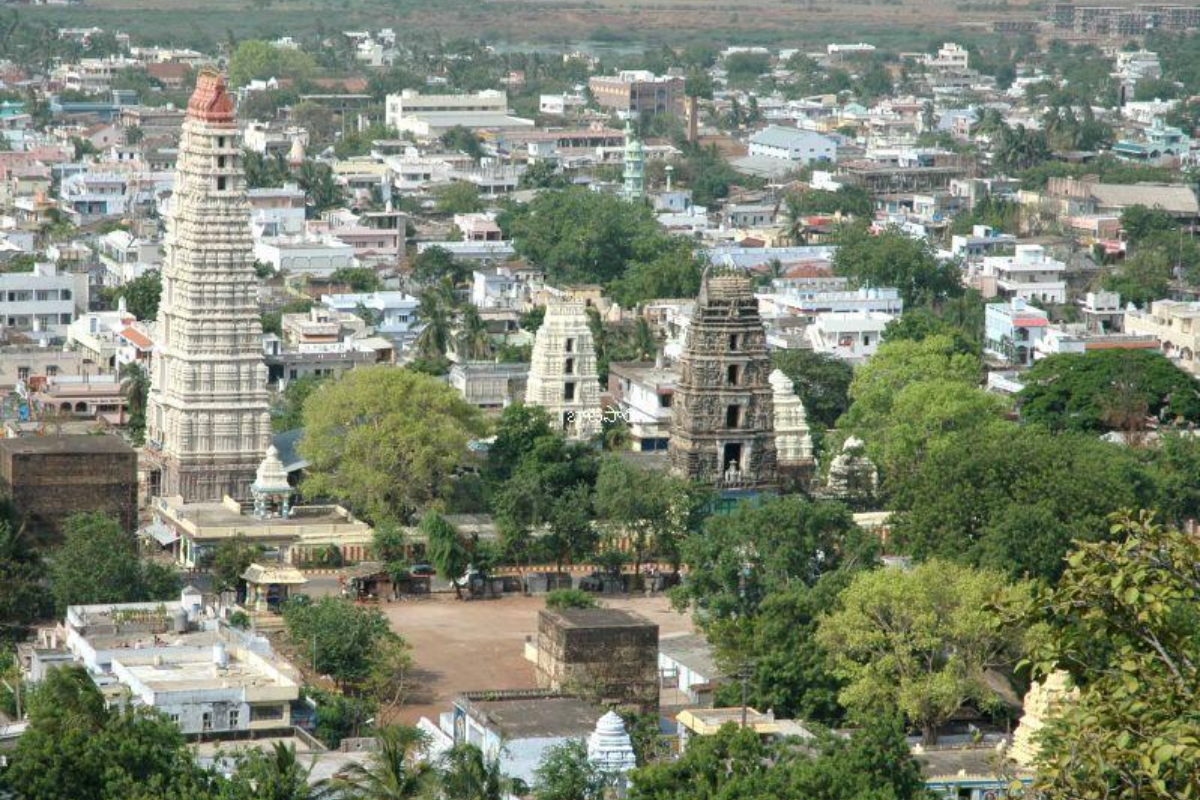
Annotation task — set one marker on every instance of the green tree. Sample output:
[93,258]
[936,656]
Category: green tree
[274,774]
[674,272]
[741,558]
[258,60]
[921,641]
[434,264]
[891,258]
[230,559]
[447,551]
[23,601]
[466,774]
[1014,498]
[1108,390]
[135,389]
[561,599]
[465,141]
[395,770]
[566,773]
[288,415]
[141,295]
[821,381]
[359,279]
[1144,276]
[1139,222]
[518,430]
[385,440]
[458,197]
[1123,621]
[321,189]
[97,563]
[336,636]
[474,341]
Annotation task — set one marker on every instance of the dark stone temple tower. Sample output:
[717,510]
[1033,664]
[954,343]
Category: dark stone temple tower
[722,431]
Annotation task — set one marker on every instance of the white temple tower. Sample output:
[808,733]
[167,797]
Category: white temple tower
[793,441]
[562,372]
[610,749]
[207,419]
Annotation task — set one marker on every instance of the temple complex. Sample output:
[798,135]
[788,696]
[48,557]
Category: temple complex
[793,441]
[207,418]
[562,372]
[722,427]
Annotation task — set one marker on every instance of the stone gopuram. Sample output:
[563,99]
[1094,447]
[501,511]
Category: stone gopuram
[207,418]
[562,371]
[722,426]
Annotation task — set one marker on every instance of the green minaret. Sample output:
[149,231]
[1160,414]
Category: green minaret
[635,164]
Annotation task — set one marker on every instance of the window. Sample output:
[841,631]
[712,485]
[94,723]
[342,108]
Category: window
[569,367]
[734,341]
[570,347]
[221,182]
[234,718]
[206,721]
[733,416]
[174,718]
[22,373]
[259,713]
[665,400]
[569,391]
[733,374]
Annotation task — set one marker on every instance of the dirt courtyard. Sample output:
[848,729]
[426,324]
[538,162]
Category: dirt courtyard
[459,646]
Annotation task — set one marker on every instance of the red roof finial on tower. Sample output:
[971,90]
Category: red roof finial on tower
[210,102]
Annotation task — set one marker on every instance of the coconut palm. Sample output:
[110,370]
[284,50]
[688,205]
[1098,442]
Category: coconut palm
[434,315]
[396,769]
[473,340]
[644,341]
[135,388]
[274,774]
[467,775]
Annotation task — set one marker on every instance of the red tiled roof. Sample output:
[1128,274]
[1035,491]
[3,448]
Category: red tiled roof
[136,338]
[210,102]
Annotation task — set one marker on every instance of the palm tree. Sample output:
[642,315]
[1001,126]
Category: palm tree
[272,775]
[644,342]
[467,775]
[135,388]
[395,770]
[435,336]
[473,340]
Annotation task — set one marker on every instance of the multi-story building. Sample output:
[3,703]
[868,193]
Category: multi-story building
[1012,330]
[126,257]
[852,336]
[638,92]
[208,419]
[644,394]
[277,211]
[395,312]
[722,432]
[41,304]
[1029,274]
[430,115]
[1176,326]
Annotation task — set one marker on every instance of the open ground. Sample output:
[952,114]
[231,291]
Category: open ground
[459,645]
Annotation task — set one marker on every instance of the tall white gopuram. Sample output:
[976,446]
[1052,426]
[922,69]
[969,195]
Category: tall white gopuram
[793,441]
[562,372]
[207,420]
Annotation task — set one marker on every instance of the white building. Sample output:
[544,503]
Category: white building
[431,115]
[304,255]
[1012,330]
[98,333]
[42,303]
[644,394]
[397,311]
[127,257]
[851,336]
[793,145]
[810,303]
[951,58]
[1029,274]
[277,210]
[560,104]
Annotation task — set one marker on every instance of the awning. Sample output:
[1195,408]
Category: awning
[161,533]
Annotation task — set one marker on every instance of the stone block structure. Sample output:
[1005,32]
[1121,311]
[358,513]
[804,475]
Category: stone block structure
[722,426]
[562,371]
[50,478]
[604,655]
[208,420]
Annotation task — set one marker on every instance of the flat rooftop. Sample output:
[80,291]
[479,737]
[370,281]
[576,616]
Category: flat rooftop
[598,618]
[220,515]
[192,672]
[70,445]
[535,717]
[692,651]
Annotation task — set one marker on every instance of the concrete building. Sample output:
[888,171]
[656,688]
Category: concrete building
[1176,327]
[43,303]
[607,655]
[644,393]
[1013,330]
[98,334]
[562,371]
[127,257]
[177,658]
[395,312]
[517,727]
[49,478]
[798,147]
[303,255]
[687,669]
[490,385]
[431,115]
[721,428]
[638,92]
[1029,274]
[852,336]
[277,210]
[208,421]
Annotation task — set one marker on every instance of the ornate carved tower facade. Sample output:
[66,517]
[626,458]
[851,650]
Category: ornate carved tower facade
[722,431]
[562,370]
[208,421]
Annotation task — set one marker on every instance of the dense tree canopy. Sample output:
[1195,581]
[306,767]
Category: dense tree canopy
[97,563]
[821,381]
[1108,390]
[891,258]
[385,440]
[336,636]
